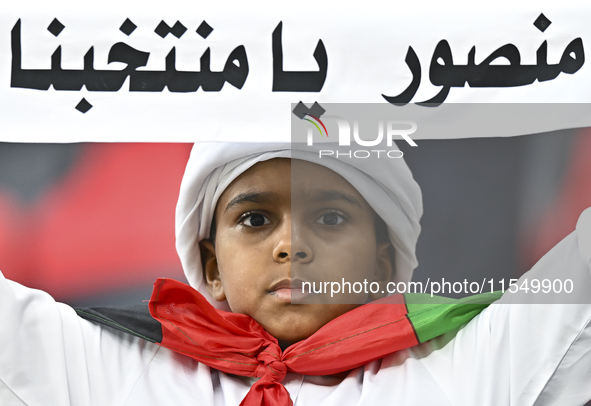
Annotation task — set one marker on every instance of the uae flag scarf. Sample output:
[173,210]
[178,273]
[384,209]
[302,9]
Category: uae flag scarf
[181,319]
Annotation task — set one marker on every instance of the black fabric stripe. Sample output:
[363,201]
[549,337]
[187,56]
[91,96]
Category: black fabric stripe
[135,320]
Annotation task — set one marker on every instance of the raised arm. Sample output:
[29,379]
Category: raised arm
[50,356]
[525,354]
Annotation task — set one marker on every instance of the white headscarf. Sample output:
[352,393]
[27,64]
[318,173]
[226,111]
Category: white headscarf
[385,183]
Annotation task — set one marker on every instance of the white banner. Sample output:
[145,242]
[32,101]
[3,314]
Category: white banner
[137,71]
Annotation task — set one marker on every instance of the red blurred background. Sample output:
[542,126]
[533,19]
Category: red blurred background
[95,219]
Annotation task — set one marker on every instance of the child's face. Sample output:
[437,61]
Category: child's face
[273,229]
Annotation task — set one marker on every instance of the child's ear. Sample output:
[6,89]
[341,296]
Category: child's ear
[210,270]
[384,268]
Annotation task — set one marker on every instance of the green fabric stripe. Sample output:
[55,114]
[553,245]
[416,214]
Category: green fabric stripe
[433,316]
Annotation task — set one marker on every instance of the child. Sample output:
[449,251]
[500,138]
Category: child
[264,234]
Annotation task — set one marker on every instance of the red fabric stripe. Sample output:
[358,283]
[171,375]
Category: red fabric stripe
[237,344]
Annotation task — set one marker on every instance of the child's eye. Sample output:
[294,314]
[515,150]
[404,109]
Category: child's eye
[254,220]
[331,219]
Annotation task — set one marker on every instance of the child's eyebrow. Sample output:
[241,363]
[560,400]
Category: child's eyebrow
[253,197]
[331,195]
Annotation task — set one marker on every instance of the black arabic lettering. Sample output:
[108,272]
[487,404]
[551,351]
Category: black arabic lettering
[412,60]
[297,81]
[443,72]
[301,110]
[235,71]
[30,78]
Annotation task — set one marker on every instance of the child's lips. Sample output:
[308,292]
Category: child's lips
[289,291]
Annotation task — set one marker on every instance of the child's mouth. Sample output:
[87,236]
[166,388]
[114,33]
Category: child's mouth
[289,291]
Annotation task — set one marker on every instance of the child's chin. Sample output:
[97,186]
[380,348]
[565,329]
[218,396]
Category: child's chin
[296,323]
[287,335]
[286,341]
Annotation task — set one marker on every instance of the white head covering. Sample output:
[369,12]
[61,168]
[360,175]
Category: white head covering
[385,183]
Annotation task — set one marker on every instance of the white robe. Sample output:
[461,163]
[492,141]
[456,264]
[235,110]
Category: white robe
[518,354]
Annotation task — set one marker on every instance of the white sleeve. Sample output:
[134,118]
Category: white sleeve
[525,354]
[50,356]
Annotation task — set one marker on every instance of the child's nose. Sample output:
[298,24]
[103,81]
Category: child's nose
[282,249]
[291,240]
[299,244]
